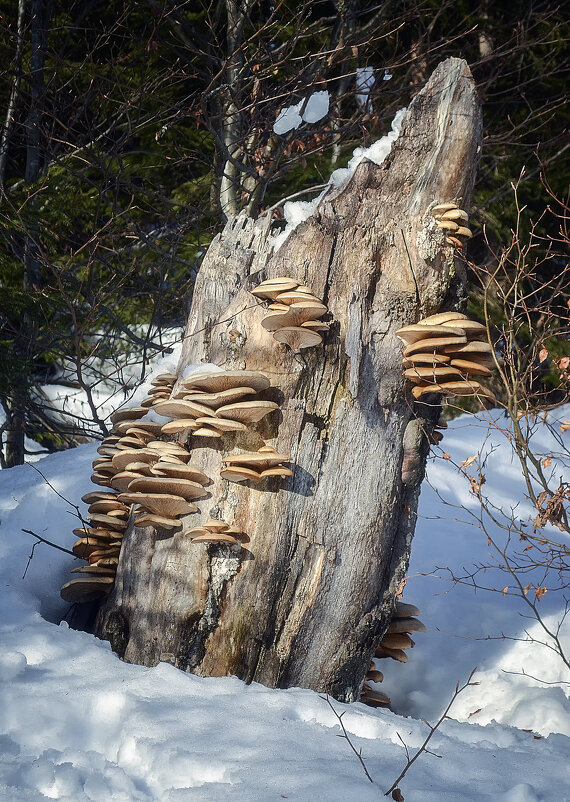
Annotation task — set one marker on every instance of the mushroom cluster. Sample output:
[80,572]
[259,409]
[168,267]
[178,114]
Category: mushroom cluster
[210,404]
[214,531]
[454,222]
[131,453]
[294,313]
[447,354]
[395,641]
[255,466]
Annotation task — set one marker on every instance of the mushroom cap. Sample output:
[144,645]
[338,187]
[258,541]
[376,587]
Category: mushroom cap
[165,504]
[106,505]
[152,519]
[406,625]
[128,413]
[121,481]
[473,347]
[142,468]
[224,397]
[297,296]
[435,344]
[267,450]
[180,425]
[315,325]
[434,375]
[297,337]
[96,556]
[471,328]
[454,214]
[129,442]
[222,424]
[279,470]
[165,448]
[457,243]
[177,487]
[86,589]
[100,519]
[97,495]
[297,314]
[271,288]
[247,411]
[100,479]
[397,640]
[475,368]
[441,317]
[373,675]
[105,570]
[84,547]
[180,471]
[146,425]
[141,434]
[180,408]
[440,208]
[97,533]
[227,379]
[405,609]
[206,431]
[124,458]
[164,378]
[235,473]
[213,525]
[425,359]
[216,537]
[107,451]
[396,654]
[422,331]
[463,387]
[463,231]
[447,225]
[267,459]
[374,698]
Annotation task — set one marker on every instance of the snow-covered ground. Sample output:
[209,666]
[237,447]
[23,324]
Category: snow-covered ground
[77,724]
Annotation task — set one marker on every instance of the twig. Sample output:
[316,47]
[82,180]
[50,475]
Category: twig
[345,735]
[48,542]
[432,730]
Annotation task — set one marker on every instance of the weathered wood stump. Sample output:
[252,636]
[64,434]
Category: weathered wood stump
[308,599]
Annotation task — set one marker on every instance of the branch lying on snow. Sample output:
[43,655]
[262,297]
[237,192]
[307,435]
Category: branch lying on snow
[423,748]
[394,789]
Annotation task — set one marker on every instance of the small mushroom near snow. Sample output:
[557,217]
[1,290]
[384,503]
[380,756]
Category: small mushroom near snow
[297,337]
[214,531]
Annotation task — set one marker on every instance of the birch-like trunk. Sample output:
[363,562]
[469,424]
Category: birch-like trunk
[309,599]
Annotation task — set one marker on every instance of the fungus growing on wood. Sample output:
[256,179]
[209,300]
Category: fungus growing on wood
[294,317]
[255,466]
[214,531]
[445,363]
[453,221]
[86,589]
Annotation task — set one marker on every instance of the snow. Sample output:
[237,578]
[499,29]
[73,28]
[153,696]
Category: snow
[365,80]
[78,724]
[291,117]
[296,212]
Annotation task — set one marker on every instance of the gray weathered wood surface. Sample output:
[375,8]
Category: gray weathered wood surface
[309,598]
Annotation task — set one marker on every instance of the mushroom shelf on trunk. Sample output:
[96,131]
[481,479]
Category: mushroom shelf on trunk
[294,313]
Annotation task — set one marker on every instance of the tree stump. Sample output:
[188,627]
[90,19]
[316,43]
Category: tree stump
[309,598]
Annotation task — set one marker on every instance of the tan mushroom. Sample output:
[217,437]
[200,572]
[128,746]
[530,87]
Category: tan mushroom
[397,640]
[225,380]
[406,625]
[374,698]
[128,414]
[396,654]
[161,521]
[271,288]
[165,504]
[86,589]
[247,411]
[215,400]
[235,473]
[185,488]
[297,337]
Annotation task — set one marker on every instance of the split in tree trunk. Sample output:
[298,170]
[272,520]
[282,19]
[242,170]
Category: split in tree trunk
[306,603]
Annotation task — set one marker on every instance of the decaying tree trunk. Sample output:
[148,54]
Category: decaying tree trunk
[308,599]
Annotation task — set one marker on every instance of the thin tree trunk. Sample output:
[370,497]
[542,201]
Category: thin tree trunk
[14,94]
[306,603]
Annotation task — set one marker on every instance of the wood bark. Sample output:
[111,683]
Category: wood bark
[306,603]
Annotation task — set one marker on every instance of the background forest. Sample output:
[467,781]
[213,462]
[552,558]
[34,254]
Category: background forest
[130,132]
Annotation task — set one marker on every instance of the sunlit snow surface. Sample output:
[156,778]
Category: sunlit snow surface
[77,724]
[309,111]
